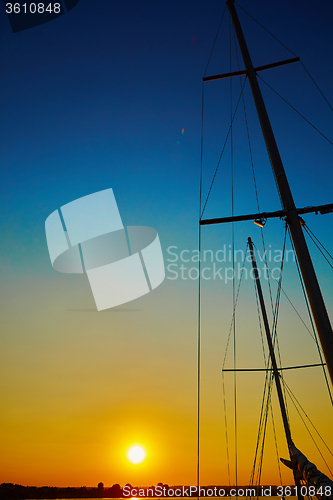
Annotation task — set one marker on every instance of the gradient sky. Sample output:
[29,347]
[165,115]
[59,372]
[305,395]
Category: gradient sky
[97,99]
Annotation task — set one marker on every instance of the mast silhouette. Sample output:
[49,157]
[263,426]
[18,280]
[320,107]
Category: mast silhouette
[290,211]
[274,365]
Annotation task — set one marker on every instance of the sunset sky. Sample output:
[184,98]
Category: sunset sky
[109,96]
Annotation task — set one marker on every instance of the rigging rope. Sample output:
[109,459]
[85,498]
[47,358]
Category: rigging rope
[316,85]
[201,146]
[252,165]
[199,363]
[293,53]
[276,444]
[266,29]
[293,399]
[314,335]
[322,439]
[247,128]
[199,266]
[269,376]
[269,380]
[261,458]
[276,311]
[318,241]
[225,357]
[234,309]
[233,255]
[224,145]
[226,427]
[260,323]
[217,34]
[262,419]
[292,107]
[292,305]
[312,236]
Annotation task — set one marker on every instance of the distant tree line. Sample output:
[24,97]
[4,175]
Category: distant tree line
[10,491]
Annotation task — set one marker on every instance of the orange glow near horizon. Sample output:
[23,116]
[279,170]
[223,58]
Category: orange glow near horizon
[77,398]
[144,395]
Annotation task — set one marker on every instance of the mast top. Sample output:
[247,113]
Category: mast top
[313,291]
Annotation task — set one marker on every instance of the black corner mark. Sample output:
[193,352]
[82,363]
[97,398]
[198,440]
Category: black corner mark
[27,14]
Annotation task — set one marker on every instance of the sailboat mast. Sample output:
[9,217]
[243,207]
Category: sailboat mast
[270,345]
[313,291]
[274,363]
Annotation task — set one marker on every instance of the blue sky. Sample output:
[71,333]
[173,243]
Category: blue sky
[99,97]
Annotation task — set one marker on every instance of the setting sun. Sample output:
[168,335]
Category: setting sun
[136,454]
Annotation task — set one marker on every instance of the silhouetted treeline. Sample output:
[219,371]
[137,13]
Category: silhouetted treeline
[10,491]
